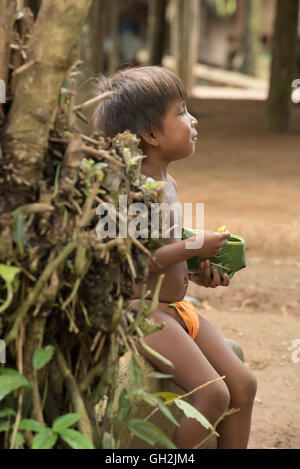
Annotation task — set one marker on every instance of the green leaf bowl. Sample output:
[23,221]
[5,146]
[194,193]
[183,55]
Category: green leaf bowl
[229,260]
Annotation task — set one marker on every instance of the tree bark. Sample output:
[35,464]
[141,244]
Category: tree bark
[91,44]
[250,41]
[156,30]
[51,52]
[7,9]
[284,65]
[113,18]
[34,6]
[186,39]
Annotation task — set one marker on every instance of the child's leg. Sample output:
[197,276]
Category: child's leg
[234,430]
[191,370]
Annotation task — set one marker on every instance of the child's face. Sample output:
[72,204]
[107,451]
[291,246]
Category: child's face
[178,135]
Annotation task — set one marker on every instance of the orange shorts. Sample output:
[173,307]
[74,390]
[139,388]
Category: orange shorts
[189,314]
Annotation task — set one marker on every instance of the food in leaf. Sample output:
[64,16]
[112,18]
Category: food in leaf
[229,260]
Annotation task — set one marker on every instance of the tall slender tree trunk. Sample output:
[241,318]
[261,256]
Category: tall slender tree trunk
[186,39]
[92,38]
[284,65]
[113,18]
[250,41]
[156,30]
[51,52]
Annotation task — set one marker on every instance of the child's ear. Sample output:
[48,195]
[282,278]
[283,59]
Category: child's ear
[150,137]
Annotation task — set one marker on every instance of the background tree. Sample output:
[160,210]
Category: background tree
[7,8]
[284,65]
[30,118]
[64,292]
[34,6]
[92,39]
[186,39]
[250,36]
[156,30]
[113,23]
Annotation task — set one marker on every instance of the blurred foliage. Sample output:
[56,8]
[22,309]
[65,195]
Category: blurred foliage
[223,7]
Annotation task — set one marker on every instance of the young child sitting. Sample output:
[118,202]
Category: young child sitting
[151,103]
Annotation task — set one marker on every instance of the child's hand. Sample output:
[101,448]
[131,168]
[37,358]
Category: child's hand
[213,243]
[207,279]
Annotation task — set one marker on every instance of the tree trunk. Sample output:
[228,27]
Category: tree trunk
[34,6]
[284,65]
[71,288]
[113,18]
[7,9]
[91,45]
[156,30]
[250,41]
[186,39]
[31,115]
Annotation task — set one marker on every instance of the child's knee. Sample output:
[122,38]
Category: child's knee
[246,391]
[251,387]
[215,400]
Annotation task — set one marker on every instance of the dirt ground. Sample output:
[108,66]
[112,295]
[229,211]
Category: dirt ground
[248,179]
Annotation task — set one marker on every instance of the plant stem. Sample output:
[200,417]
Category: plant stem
[37,400]
[20,344]
[84,423]
[8,299]
[36,290]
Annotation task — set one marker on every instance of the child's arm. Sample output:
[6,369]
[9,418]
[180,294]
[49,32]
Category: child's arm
[175,253]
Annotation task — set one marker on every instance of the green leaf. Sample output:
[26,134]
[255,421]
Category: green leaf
[99,166]
[62,423]
[19,229]
[158,375]
[147,397]
[108,441]
[167,396]
[133,161]
[155,401]
[11,380]
[7,413]
[8,272]
[31,425]
[124,405]
[136,375]
[42,356]
[167,413]
[4,427]
[193,413]
[45,439]
[76,440]
[149,433]
[18,441]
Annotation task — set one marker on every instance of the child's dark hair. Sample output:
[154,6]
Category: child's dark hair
[143,95]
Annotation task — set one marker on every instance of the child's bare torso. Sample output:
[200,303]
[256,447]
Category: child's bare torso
[176,277]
